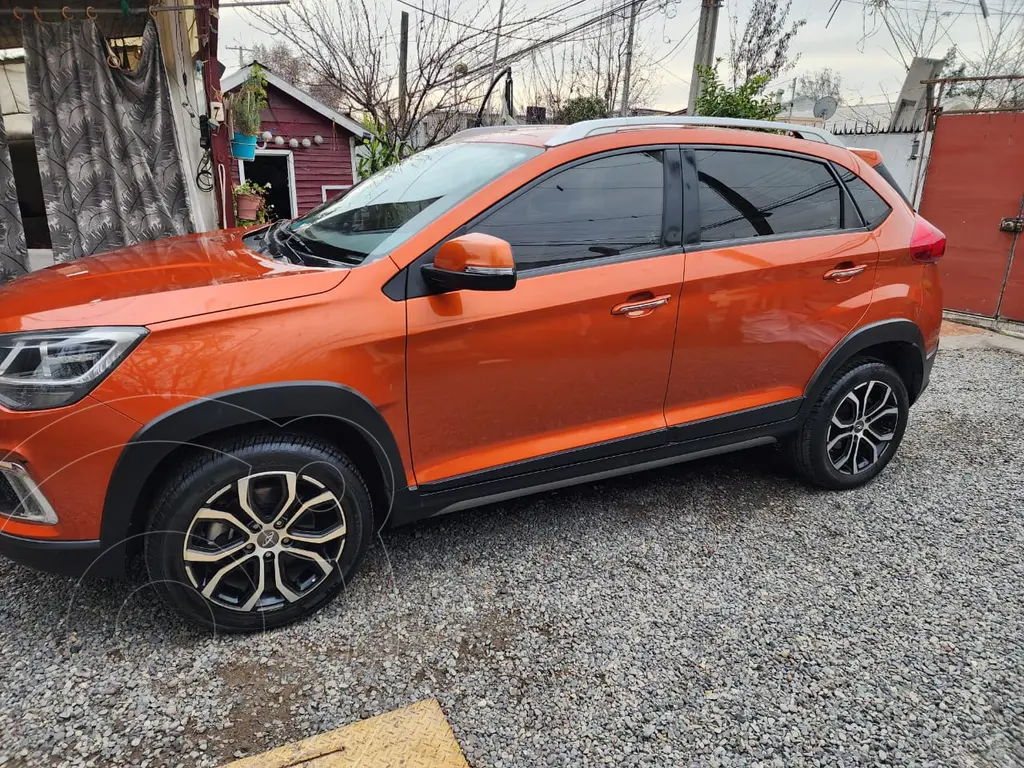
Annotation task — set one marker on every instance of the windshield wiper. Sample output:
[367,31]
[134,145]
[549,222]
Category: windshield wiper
[312,250]
[294,243]
[276,246]
[297,247]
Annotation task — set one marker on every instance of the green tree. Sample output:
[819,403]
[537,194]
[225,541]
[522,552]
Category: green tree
[718,100]
[582,108]
[379,151]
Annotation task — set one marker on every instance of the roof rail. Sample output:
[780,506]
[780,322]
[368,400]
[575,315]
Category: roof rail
[586,128]
[466,133]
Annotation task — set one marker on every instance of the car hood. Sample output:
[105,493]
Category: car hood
[155,282]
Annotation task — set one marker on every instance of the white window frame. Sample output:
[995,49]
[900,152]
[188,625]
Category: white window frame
[291,174]
[327,188]
[352,159]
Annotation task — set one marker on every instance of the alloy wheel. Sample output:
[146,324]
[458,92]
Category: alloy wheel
[265,541]
[862,427]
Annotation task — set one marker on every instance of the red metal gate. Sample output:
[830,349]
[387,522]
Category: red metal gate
[975,180]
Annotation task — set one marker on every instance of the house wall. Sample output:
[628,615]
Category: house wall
[896,149]
[328,164]
[178,45]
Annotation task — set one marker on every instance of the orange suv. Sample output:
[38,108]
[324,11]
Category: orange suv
[514,310]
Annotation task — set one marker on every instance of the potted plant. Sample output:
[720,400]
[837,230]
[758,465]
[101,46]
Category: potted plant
[250,202]
[244,108]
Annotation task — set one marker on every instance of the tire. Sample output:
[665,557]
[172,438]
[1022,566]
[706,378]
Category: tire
[873,432]
[241,572]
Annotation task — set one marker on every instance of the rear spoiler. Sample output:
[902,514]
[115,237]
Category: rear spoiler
[870,156]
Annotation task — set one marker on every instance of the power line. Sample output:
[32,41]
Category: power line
[509,58]
[470,26]
[526,50]
[924,5]
[673,74]
[678,45]
[563,36]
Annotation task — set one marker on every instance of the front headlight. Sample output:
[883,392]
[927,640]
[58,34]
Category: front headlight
[48,369]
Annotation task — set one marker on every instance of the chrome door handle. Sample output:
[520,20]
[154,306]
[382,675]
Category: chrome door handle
[844,273]
[640,308]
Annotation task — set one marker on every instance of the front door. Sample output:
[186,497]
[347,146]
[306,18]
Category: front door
[765,297]
[561,361]
[273,168]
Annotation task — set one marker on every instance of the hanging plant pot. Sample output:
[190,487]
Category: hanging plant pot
[243,147]
[247,206]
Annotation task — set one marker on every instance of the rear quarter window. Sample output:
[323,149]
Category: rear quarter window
[873,209]
[882,171]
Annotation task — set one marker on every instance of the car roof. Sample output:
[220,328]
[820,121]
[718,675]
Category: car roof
[530,135]
[556,135]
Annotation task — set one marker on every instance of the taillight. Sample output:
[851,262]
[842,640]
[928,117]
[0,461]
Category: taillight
[928,243]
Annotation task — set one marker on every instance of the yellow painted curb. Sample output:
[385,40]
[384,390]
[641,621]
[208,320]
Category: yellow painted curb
[415,737]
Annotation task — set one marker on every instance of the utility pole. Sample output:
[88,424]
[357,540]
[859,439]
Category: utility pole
[497,39]
[704,56]
[600,60]
[628,73]
[609,86]
[241,52]
[403,67]
[792,98]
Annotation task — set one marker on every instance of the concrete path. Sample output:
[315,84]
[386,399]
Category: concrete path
[958,336]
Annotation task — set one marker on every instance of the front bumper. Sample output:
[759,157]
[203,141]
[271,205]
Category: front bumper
[70,455]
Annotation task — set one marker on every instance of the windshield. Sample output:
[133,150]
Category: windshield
[386,209]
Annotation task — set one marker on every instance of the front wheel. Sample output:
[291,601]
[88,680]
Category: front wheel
[854,429]
[259,532]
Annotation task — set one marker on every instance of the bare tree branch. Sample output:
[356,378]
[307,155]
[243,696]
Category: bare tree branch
[1001,53]
[592,65]
[763,48]
[350,50]
[820,83]
[914,29]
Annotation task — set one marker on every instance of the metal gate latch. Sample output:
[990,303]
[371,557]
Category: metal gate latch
[1011,225]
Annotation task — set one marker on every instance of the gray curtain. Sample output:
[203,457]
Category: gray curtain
[13,253]
[105,141]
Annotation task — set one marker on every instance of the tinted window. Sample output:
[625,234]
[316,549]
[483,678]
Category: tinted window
[748,194]
[884,173]
[873,209]
[604,207]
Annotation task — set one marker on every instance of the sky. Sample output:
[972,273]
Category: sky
[867,65]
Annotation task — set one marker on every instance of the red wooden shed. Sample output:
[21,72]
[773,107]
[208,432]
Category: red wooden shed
[307,149]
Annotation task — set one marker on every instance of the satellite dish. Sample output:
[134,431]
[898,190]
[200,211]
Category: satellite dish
[825,107]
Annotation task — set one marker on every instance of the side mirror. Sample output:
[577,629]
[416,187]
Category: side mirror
[473,262]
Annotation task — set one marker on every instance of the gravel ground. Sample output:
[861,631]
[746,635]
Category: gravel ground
[714,614]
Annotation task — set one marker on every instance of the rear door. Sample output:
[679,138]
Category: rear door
[578,353]
[779,268]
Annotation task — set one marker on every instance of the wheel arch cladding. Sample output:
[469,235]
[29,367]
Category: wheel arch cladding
[333,412]
[898,343]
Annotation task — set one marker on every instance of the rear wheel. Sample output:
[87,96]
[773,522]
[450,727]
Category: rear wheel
[855,427]
[259,532]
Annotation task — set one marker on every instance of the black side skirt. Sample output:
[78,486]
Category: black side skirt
[723,434]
